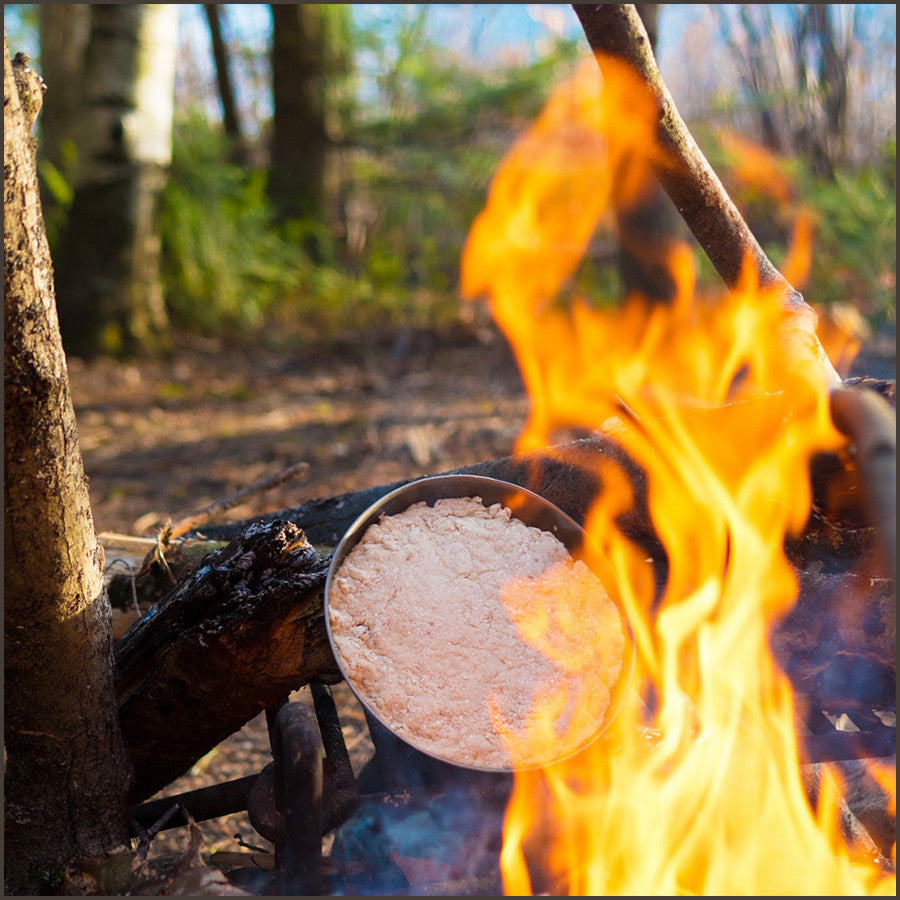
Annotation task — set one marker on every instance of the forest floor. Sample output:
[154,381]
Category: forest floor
[160,440]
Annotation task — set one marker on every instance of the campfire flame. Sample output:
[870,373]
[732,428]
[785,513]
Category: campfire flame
[696,786]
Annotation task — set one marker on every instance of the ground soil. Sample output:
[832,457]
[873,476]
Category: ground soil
[163,439]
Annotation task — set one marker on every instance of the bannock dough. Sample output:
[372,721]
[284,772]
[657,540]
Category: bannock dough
[422,613]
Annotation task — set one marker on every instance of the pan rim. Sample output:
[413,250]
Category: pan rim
[565,528]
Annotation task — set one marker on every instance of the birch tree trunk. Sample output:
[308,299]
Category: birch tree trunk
[108,285]
[67,772]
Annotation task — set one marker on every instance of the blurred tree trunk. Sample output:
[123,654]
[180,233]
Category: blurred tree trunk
[67,772]
[299,136]
[109,289]
[230,120]
[822,64]
[801,103]
[754,45]
[648,226]
[64,31]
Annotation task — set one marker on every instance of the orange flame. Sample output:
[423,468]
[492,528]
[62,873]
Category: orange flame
[695,787]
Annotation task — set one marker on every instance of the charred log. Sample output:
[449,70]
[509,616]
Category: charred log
[234,638]
[248,627]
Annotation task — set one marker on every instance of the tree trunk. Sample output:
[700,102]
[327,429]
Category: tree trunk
[230,120]
[108,275]
[67,772]
[833,85]
[64,32]
[299,137]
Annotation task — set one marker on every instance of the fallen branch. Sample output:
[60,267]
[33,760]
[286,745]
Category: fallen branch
[616,30]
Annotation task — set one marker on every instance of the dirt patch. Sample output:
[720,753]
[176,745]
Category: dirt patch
[162,439]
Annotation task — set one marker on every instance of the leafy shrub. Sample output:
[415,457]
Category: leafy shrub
[224,262]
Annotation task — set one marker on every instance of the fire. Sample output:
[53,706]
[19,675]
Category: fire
[696,785]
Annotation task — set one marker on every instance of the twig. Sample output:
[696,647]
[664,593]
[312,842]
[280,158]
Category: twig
[615,30]
[207,512]
[134,597]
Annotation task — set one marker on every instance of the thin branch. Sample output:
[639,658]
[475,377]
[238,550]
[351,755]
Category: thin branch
[615,29]
[195,520]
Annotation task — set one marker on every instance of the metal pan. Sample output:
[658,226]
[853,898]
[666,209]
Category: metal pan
[530,508]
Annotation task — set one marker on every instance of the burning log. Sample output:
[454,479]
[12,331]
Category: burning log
[872,427]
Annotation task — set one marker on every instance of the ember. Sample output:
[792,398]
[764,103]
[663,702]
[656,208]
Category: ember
[723,402]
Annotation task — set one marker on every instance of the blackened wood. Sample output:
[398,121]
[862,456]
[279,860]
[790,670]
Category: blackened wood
[210,802]
[838,643]
[237,636]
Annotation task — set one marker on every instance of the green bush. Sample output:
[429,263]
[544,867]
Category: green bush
[855,229]
[224,262]
[855,243]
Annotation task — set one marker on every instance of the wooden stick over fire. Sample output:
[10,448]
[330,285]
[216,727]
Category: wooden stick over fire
[616,30]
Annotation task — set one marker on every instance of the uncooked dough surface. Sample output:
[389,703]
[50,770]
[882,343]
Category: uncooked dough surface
[423,614]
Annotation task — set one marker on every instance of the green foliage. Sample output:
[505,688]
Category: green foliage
[224,262]
[854,254]
[415,153]
[58,184]
[855,229]
[424,165]
[417,172]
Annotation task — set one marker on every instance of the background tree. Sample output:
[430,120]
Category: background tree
[64,32]
[108,268]
[230,121]
[648,226]
[299,137]
[799,87]
[67,771]
[308,55]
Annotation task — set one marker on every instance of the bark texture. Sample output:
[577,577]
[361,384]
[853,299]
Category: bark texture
[66,766]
